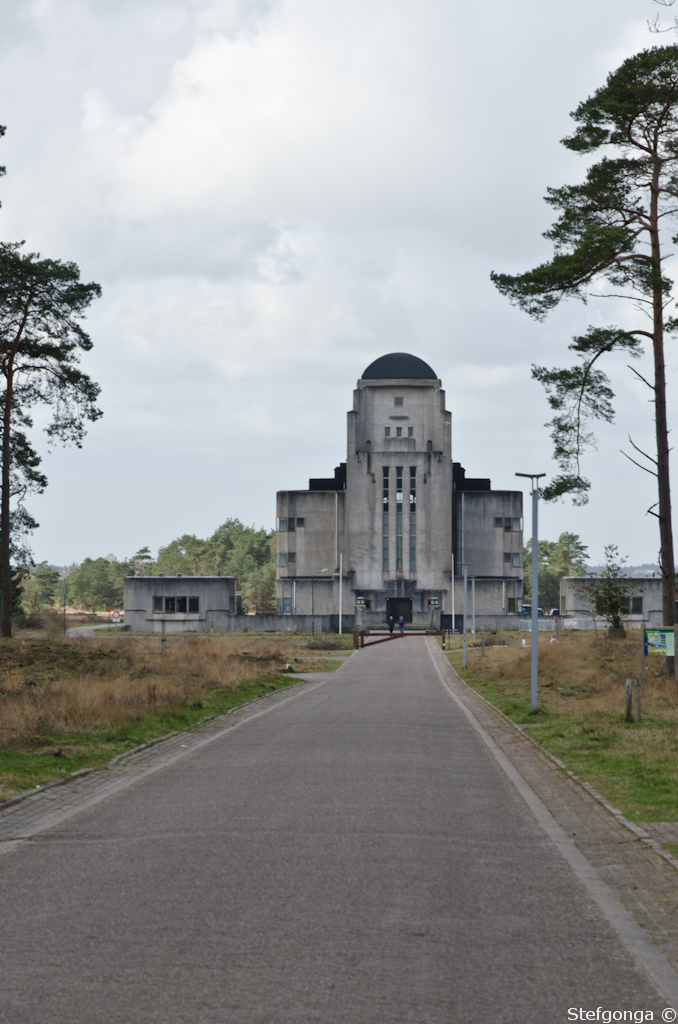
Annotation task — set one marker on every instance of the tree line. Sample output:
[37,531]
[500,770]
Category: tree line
[97,583]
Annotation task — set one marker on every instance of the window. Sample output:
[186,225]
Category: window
[636,606]
[387,431]
[290,525]
[291,556]
[286,605]
[193,605]
[399,518]
[181,605]
[507,557]
[516,559]
[511,605]
[398,401]
[281,558]
[170,604]
[282,526]
[300,522]
[157,604]
[410,431]
[368,605]
[413,518]
[384,523]
[508,524]
[399,431]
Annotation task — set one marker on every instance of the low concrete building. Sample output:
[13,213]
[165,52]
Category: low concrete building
[171,604]
[398,521]
[644,603]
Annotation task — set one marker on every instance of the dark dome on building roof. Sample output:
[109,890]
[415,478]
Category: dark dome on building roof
[399,366]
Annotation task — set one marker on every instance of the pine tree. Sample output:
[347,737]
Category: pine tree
[612,228]
[41,304]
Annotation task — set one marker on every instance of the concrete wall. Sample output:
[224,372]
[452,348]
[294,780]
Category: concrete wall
[492,623]
[287,623]
[216,596]
[318,543]
[294,595]
[492,597]
[575,603]
[480,542]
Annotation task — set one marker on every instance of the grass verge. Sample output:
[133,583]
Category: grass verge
[581,714]
[66,705]
[53,755]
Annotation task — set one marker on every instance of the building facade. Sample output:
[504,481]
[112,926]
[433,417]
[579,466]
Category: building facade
[172,604]
[391,531]
[642,605]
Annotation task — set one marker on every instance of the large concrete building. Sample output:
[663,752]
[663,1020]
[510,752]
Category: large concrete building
[394,526]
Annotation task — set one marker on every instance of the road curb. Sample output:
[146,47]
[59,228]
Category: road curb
[652,960]
[637,831]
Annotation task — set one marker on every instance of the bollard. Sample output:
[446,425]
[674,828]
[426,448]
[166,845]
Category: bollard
[163,641]
[637,700]
[629,699]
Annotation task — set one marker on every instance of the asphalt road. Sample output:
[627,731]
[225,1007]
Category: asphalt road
[355,856]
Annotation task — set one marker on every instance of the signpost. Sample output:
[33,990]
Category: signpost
[659,641]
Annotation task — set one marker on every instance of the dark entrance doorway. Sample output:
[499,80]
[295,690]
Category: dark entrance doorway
[397,606]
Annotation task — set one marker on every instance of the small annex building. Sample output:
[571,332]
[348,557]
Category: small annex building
[171,604]
[642,606]
[395,525]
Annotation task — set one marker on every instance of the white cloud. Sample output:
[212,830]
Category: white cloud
[274,194]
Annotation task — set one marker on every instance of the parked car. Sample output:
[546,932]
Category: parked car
[527,610]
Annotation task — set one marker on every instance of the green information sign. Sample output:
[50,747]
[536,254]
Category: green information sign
[659,641]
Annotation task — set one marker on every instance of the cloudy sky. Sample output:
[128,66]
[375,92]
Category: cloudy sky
[271,195]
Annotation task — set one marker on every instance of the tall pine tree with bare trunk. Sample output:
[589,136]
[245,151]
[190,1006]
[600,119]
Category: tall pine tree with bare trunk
[612,228]
[42,302]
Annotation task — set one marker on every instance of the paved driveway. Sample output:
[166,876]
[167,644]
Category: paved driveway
[355,856]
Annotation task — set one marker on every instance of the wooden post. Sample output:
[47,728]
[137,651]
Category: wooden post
[482,652]
[637,700]
[356,639]
[629,699]
[643,661]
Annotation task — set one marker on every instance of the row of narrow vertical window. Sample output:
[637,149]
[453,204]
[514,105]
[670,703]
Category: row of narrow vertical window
[399,511]
[399,432]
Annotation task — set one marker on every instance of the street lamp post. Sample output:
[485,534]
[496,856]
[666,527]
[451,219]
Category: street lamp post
[313,599]
[464,570]
[534,669]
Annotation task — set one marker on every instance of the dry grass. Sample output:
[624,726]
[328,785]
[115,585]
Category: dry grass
[586,669]
[56,686]
[581,711]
